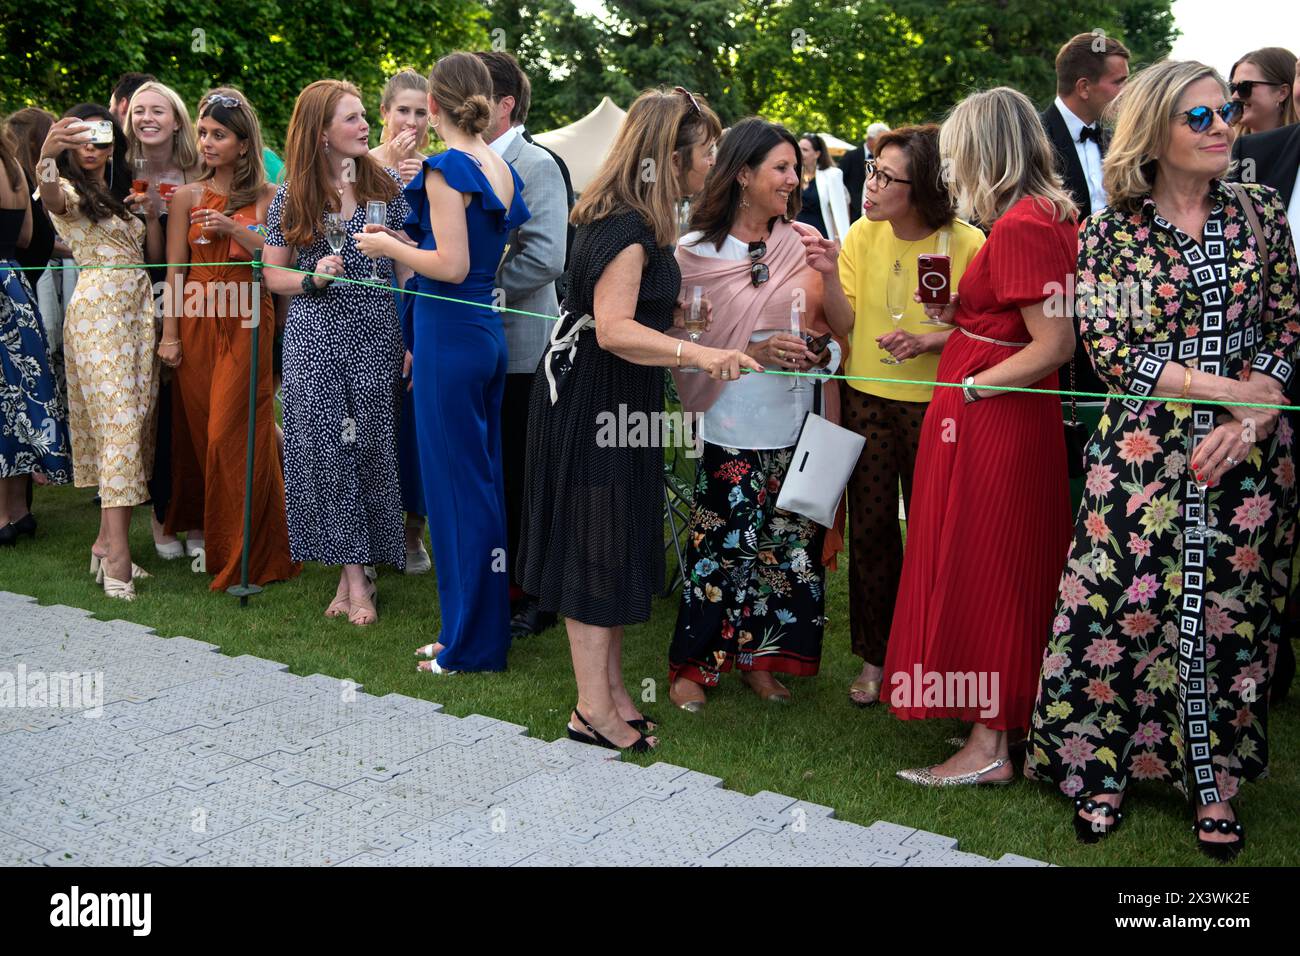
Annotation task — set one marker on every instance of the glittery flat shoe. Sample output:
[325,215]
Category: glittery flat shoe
[924,777]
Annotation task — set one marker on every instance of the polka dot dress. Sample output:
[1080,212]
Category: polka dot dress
[342,386]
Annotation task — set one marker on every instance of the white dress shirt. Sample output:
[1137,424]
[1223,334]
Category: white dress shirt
[500,144]
[758,411]
[1089,157]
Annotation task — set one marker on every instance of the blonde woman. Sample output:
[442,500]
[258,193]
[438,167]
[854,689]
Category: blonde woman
[404,111]
[1158,663]
[591,545]
[163,154]
[989,516]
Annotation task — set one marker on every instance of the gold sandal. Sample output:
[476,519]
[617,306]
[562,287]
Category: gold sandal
[864,693]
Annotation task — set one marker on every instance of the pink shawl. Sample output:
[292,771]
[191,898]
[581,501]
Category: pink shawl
[740,309]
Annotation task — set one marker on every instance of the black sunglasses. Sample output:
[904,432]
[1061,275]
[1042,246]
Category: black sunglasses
[758,271]
[1246,87]
[1201,118]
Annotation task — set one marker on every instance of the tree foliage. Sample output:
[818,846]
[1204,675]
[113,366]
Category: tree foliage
[833,65]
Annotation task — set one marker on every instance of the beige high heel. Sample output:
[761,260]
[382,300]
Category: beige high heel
[97,569]
[122,590]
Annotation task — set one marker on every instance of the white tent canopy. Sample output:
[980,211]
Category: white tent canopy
[583,144]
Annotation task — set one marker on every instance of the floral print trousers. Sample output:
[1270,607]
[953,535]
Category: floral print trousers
[754,596]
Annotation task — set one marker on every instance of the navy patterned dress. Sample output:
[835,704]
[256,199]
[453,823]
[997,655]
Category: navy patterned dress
[342,380]
[33,416]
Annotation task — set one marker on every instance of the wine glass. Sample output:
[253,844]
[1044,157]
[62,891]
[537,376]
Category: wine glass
[140,182]
[694,318]
[376,215]
[335,233]
[799,384]
[895,304]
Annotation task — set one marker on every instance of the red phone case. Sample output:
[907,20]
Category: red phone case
[933,278]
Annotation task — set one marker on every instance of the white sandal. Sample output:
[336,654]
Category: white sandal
[97,569]
[431,667]
[428,650]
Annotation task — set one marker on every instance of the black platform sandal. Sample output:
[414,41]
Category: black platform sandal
[1090,831]
[595,737]
[1223,852]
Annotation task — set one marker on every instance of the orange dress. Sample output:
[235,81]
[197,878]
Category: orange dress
[210,418]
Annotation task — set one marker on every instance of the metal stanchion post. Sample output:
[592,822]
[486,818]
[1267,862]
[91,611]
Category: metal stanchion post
[243,590]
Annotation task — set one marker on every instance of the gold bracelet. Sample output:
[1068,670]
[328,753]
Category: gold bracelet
[679,353]
[173,342]
[1187,382]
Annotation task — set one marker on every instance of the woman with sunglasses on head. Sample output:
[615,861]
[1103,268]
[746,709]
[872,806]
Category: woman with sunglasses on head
[207,341]
[591,544]
[824,204]
[989,513]
[108,329]
[754,591]
[1264,82]
[1156,667]
[907,213]
[161,150]
[342,346]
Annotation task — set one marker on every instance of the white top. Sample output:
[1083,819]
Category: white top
[1089,157]
[758,411]
[502,142]
[1293,211]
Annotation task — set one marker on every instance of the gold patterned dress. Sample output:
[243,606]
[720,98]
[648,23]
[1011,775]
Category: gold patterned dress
[109,340]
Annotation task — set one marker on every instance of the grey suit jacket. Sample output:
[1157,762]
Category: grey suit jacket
[535,258]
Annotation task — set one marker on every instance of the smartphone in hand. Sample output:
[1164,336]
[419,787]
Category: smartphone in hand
[933,277]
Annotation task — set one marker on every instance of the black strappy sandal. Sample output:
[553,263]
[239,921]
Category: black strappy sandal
[1088,831]
[643,724]
[1223,852]
[597,739]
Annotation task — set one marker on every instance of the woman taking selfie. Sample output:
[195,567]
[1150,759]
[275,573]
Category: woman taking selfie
[108,331]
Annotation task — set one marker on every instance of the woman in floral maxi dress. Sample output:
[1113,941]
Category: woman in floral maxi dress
[1159,653]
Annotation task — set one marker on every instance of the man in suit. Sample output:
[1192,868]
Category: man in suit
[534,260]
[1273,159]
[1091,70]
[853,164]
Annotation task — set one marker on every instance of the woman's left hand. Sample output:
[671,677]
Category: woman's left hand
[376,241]
[1220,450]
[901,344]
[214,223]
[140,203]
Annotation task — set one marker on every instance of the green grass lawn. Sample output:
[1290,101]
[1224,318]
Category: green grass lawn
[820,749]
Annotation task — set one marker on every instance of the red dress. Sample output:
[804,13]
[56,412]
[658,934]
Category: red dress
[989,525]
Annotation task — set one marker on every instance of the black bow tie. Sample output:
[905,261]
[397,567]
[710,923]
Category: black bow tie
[1090,133]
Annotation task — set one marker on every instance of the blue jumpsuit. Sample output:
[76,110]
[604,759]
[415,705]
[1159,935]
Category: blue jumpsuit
[459,370]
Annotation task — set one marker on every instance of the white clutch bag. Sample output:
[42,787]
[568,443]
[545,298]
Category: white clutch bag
[823,461]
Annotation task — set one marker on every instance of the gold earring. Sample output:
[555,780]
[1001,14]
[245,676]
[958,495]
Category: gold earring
[744,203]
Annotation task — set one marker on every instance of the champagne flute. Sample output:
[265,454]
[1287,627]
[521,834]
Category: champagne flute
[895,304]
[140,182]
[202,239]
[799,384]
[335,233]
[694,318]
[376,215]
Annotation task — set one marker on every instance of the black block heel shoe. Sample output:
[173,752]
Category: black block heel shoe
[1090,831]
[595,737]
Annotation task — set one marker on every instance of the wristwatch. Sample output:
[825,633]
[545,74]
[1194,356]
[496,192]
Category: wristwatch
[968,389]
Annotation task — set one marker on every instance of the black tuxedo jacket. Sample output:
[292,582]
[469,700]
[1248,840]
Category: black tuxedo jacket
[1067,162]
[1270,158]
[854,166]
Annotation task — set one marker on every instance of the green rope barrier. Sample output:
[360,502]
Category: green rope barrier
[1064,393]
